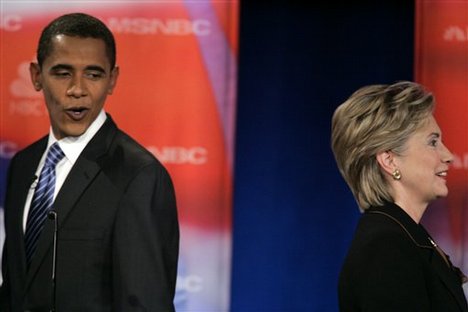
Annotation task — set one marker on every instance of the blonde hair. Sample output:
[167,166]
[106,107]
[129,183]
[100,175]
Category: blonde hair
[374,119]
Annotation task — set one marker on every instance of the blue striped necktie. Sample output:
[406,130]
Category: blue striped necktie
[42,200]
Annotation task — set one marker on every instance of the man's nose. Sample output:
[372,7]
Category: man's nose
[77,88]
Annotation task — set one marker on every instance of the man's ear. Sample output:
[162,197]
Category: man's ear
[113,79]
[386,161]
[36,78]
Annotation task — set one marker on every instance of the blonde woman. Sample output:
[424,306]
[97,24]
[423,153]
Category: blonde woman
[389,149]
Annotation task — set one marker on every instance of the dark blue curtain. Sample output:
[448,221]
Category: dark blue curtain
[293,214]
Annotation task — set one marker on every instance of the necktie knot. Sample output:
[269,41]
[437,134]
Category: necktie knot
[54,155]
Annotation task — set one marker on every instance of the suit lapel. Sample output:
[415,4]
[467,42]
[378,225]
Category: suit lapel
[445,273]
[448,278]
[78,180]
[26,167]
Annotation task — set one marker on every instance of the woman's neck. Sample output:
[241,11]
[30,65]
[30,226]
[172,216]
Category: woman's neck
[414,210]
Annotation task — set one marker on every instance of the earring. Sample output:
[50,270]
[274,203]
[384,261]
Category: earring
[396,174]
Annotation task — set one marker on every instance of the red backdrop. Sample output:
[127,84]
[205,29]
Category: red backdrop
[175,95]
[442,65]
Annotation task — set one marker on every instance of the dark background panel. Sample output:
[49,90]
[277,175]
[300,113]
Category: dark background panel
[293,214]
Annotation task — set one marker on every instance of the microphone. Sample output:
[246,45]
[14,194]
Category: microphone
[52,215]
[33,182]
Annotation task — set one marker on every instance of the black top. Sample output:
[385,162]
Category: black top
[393,266]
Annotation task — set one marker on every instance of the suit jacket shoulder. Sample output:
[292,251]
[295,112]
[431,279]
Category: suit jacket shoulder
[119,156]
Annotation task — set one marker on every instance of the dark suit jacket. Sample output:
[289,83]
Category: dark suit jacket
[118,232]
[392,266]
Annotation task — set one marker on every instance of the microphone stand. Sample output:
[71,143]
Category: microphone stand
[52,215]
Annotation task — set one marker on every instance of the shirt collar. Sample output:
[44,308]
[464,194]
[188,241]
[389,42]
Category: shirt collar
[73,146]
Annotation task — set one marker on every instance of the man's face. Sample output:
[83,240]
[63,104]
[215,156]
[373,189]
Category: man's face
[75,79]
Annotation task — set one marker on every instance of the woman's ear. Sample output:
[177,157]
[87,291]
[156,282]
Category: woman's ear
[386,161]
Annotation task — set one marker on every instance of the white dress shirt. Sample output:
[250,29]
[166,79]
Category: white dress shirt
[72,148]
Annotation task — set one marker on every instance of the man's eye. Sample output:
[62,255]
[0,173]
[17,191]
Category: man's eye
[62,74]
[94,75]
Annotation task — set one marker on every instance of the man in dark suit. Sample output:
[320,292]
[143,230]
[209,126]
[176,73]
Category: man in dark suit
[113,203]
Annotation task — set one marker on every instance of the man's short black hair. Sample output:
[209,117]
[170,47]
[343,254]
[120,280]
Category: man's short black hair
[76,25]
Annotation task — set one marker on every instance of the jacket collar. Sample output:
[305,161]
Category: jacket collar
[415,231]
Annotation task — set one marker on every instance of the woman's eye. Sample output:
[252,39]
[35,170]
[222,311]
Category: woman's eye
[433,143]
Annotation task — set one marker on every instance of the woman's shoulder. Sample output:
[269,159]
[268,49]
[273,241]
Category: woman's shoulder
[380,239]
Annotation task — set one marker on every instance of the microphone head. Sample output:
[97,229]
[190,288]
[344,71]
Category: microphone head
[52,215]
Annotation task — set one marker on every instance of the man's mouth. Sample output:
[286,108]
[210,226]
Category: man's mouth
[77,113]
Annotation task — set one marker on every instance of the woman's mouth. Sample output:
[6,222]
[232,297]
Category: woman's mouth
[442,174]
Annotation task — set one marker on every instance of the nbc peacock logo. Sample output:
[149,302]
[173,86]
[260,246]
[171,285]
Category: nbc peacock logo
[24,99]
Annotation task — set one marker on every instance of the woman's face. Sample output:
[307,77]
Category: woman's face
[424,164]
